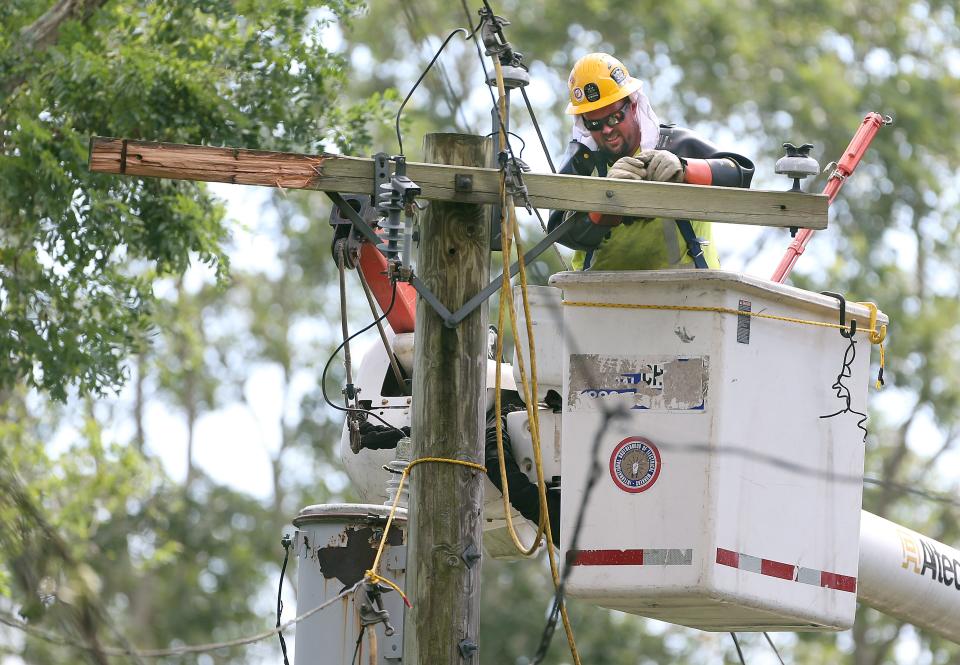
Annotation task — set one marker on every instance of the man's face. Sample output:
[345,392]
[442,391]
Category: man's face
[615,128]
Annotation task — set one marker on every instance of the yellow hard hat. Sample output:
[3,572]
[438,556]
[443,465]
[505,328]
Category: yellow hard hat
[597,80]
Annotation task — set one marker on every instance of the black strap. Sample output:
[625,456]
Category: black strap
[693,243]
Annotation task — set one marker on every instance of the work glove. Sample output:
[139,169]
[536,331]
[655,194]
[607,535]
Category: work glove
[628,168]
[661,166]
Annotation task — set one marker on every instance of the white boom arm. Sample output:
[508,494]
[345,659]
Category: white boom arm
[910,577]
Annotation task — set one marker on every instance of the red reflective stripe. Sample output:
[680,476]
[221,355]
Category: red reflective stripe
[605,558]
[728,558]
[776,569]
[838,582]
[698,172]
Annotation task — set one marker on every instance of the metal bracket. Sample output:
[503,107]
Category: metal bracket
[467,648]
[371,607]
[452,320]
[470,555]
[847,334]
[514,169]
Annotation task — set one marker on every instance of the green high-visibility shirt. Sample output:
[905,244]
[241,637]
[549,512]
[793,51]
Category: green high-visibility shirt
[649,244]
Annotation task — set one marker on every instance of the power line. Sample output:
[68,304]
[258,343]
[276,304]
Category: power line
[53,638]
[449,95]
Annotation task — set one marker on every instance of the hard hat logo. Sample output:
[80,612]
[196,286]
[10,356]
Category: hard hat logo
[598,80]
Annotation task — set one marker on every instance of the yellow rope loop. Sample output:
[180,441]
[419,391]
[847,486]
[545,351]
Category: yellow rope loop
[375,579]
[372,574]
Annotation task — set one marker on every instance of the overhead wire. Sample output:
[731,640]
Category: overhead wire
[422,75]
[736,643]
[773,646]
[449,95]
[52,638]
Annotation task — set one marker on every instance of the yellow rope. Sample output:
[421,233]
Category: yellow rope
[372,574]
[529,395]
[876,335]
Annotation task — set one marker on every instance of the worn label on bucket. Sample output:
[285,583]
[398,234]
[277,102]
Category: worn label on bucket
[656,383]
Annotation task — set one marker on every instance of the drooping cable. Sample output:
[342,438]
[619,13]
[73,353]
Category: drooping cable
[449,95]
[286,542]
[843,391]
[593,476]
[774,647]
[422,75]
[326,367]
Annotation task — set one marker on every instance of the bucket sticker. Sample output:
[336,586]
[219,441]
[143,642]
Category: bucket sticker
[635,464]
[592,92]
[655,383]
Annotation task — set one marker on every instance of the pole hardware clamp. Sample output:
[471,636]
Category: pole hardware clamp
[471,555]
[467,648]
[371,607]
[513,170]
[514,72]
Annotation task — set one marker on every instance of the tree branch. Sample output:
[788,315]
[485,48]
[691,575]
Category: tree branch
[44,32]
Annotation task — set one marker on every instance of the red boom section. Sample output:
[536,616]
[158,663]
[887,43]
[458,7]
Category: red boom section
[373,264]
[851,158]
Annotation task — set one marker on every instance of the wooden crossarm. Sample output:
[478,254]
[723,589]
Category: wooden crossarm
[328,172]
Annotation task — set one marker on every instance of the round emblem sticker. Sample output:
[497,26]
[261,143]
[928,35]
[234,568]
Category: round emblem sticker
[635,464]
[578,94]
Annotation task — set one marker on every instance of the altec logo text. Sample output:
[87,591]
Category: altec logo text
[942,567]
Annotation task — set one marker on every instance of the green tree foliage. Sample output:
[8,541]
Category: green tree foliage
[77,250]
[98,545]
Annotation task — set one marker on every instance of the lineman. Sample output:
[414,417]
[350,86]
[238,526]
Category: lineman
[617,134]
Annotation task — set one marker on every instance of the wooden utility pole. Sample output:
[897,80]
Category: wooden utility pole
[449,381]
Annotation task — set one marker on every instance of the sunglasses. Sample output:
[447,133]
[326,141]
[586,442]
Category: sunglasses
[611,120]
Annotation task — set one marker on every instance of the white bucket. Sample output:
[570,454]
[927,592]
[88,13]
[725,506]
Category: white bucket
[725,500]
